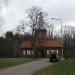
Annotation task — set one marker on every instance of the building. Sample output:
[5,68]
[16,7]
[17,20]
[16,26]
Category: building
[40,46]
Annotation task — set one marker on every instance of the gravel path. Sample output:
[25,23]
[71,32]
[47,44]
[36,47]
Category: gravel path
[25,69]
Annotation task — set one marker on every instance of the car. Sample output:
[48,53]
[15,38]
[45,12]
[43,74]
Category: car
[53,57]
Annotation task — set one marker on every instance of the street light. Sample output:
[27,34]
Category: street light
[61,34]
[60,22]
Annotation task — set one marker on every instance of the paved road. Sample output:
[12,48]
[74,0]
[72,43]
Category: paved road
[25,69]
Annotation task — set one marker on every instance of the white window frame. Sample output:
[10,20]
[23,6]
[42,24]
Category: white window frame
[52,51]
[28,52]
[48,52]
[57,51]
[24,52]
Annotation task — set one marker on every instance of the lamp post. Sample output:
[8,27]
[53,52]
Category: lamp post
[51,26]
[60,22]
[61,35]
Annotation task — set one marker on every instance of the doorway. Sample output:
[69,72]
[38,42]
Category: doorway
[39,53]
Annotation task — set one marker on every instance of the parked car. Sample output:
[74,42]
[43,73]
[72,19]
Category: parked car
[53,57]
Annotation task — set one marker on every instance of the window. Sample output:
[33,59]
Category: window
[47,51]
[52,51]
[28,52]
[23,52]
[57,51]
[32,52]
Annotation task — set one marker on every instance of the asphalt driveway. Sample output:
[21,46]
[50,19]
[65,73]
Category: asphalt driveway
[25,69]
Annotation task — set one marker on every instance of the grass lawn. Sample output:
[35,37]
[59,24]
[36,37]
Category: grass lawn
[66,67]
[8,62]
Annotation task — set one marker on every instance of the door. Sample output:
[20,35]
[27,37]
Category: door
[39,53]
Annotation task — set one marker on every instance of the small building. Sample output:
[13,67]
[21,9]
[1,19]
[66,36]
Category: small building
[40,45]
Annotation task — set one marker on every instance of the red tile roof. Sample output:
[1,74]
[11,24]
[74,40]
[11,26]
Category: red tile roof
[26,44]
[53,43]
[47,43]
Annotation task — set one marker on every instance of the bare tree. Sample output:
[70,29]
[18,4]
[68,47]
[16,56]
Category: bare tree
[21,27]
[35,19]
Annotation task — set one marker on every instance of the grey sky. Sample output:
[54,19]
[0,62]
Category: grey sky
[63,9]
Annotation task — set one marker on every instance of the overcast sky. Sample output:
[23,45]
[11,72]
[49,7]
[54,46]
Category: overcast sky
[15,10]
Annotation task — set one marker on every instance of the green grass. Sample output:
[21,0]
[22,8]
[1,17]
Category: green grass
[66,67]
[8,62]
